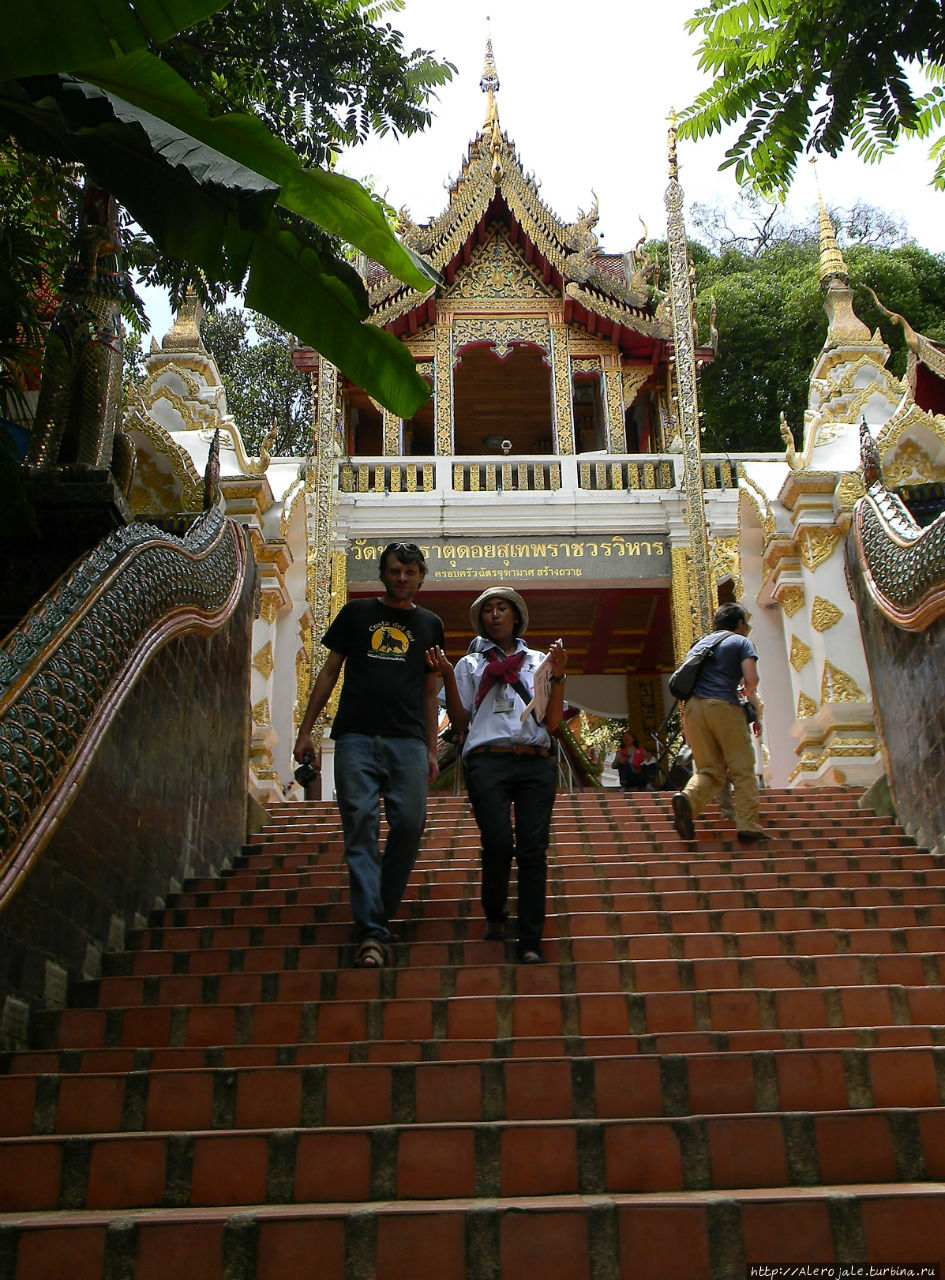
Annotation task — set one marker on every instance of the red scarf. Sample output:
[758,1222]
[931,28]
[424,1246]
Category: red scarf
[499,670]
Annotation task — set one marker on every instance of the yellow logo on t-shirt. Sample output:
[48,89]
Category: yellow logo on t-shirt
[386,639]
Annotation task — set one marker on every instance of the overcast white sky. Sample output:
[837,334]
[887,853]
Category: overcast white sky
[585,95]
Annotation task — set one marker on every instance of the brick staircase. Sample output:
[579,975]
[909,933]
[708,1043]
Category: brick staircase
[733,1057]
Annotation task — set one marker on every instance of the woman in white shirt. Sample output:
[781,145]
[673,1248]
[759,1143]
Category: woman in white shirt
[507,756]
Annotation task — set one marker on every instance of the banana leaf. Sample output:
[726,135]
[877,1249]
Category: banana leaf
[42,37]
[335,202]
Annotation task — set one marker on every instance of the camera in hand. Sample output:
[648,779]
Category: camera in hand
[306,772]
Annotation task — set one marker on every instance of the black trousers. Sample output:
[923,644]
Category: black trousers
[497,784]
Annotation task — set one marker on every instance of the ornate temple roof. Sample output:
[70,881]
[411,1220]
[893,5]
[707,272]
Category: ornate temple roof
[614,295]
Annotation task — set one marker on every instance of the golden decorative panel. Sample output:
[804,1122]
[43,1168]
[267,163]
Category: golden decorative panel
[837,686]
[806,707]
[261,714]
[911,465]
[443,390]
[683,632]
[500,332]
[823,614]
[633,380]
[613,404]
[392,434]
[817,545]
[263,660]
[497,269]
[561,381]
[799,655]
[791,599]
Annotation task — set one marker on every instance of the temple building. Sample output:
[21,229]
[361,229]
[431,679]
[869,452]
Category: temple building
[559,453]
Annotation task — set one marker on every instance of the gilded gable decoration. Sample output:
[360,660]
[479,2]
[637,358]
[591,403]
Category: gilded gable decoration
[497,269]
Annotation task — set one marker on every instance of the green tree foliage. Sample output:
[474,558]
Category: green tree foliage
[263,389]
[80,82]
[772,325]
[818,74]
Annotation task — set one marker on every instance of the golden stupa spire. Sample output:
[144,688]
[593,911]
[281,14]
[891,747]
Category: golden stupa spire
[844,326]
[489,84]
[832,265]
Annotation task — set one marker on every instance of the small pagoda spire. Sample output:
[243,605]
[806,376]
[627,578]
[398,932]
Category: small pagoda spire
[832,265]
[489,84]
[184,334]
[844,326]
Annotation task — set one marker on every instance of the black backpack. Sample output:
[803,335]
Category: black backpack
[683,680]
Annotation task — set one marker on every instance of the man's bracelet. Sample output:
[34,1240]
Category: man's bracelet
[559,679]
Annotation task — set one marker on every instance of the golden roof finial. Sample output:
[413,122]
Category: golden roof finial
[489,84]
[832,265]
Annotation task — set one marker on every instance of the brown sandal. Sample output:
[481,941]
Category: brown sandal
[371,955]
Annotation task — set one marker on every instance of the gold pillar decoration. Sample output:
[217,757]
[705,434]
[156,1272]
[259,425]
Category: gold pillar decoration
[613,407]
[443,387]
[393,434]
[700,590]
[319,487]
[561,382]
[683,634]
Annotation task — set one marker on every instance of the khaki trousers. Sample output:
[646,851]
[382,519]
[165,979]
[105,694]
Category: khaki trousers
[718,734]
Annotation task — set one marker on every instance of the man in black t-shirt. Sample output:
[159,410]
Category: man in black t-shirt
[385,732]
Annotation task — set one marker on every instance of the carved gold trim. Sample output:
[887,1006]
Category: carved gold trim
[633,379]
[261,714]
[759,501]
[726,562]
[179,460]
[500,332]
[824,614]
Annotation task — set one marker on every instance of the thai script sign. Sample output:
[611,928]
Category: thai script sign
[550,559]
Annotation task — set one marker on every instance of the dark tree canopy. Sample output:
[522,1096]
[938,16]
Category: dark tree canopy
[263,389]
[772,325]
[818,74]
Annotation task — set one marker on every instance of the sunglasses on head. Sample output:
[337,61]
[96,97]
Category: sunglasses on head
[403,546]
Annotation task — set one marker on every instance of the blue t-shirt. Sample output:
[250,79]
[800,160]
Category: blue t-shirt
[721,673]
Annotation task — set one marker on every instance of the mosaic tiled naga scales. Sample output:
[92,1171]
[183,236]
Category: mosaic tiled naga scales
[66,669]
[903,563]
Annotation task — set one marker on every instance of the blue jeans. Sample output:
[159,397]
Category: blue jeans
[366,770]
